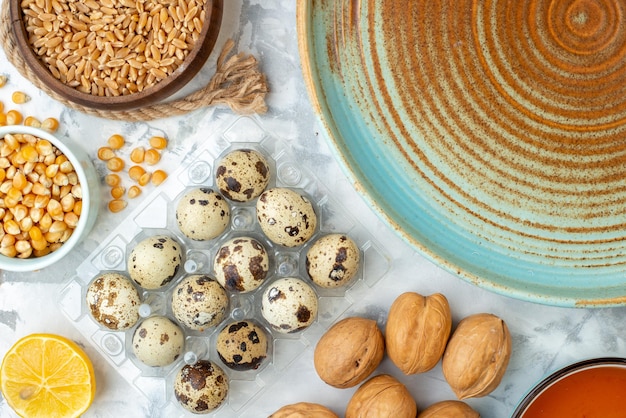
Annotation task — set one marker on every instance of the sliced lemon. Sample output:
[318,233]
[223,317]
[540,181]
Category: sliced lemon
[45,375]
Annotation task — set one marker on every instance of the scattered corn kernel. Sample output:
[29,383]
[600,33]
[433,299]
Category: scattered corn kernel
[116,141]
[50,124]
[1,106]
[117,205]
[117,192]
[3,80]
[158,142]
[158,177]
[112,180]
[134,191]
[105,153]
[137,155]
[32,121]
[19,97]
[152,156]
[3,119]
[144,179]
[14,117]
[135,172]
[115,164]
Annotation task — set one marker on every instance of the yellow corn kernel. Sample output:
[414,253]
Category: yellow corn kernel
[77,191]
[158,142]
[19,97]
[112,180]
[144,179]
[78,207]
[117,192]
[137,155]
[1,106]
[3,119]
[3,174]
[152,156]
[19,212]
[32,121]
[50,124]
[135,172]
[158,177]
[44,147]
[105,153]
[57,226]
[66,167]
[60,159]
[53,237]
[3,80]
[26,224]
[68,202]
[54,209]
[42,252]
[29,200]
[19,180]
[71,219]
[134,191]
[36,214]
[61,179]
[116,141]
[115,164]
[23,247]
[7,240]
[52,170]
[11,142]
[45,222]
[12,227]
[10,252]
[29,153]
[39,244]
[13,197]
[35,233]
[117,205]
[14,117]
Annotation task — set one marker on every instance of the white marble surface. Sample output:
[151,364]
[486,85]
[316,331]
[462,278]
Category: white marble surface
[544,338]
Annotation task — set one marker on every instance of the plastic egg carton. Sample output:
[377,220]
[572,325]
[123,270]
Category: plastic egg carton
[156,215]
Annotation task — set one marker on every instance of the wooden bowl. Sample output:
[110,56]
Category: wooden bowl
[165,87]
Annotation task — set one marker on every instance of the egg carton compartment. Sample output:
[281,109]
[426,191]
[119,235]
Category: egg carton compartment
[156,216]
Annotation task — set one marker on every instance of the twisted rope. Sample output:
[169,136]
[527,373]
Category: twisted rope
[237,83]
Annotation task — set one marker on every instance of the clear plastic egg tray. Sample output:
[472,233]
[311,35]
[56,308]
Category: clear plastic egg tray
[156,215]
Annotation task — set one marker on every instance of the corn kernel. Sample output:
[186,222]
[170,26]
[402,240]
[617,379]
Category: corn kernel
[137,155]
[158,142]
[117,192]
[50,124]
[45,222]
[115,164]
[12,227]
[42,252]
[105,153]
[152,156]
[26,224]
[19,180]
[54,209]
[60,159]
[7,240]
[52,237]
[14,117]
[71,219]
[32,121]
[116,141]
[133,192]
[112,180]
[52,170]
[19,212]
[57,226]
[39,243]
[23,247]
[66,167]
[19,97]
[29,153]
[35,233]
[3,119]
[1,106]
[29,200]
[11,142]
[68,202]
[158,177]
[36,214]
[135,172]
[78,207]
[144,179]
[117,205]
[3,80]
[10,252]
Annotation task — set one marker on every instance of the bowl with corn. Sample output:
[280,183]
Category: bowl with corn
[115,54]
[48,197]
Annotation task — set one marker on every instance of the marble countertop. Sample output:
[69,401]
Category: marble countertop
[544,338]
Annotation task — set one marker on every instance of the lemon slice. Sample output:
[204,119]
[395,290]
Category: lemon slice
[45,375]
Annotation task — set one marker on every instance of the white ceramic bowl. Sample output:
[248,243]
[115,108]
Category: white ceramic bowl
[88,179]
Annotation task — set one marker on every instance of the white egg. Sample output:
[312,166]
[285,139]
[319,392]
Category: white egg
[333,260]
[289,305]
[154,261]
[242,175]
[202,214]
[241,264]
[286,216]
[113,301]
[158,341]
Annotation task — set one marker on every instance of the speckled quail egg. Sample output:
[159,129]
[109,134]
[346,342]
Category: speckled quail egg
[158,341]
[199,302]
[113,301]
[241,264]
[202,214]
[242,345]
[286,216]
[289,305]
[201,387]
[333,260]
[242,175]
[154,261]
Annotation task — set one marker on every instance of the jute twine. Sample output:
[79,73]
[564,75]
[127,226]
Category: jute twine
[237,83]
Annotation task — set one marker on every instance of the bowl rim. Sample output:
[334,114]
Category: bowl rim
[562,373]
[36,263]
[165,88]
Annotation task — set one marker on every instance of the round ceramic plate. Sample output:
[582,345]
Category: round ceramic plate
[490,134]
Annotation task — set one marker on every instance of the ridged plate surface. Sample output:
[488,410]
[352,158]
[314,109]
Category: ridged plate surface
[490,134]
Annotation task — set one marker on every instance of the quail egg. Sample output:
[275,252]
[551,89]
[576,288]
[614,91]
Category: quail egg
[154,261]
[286,216]
[289,305]
[242,175]
[199,302]
[201,387]
[202,214]
[333,260]
[158,341]
[241,264]
[113,301]
[242,345]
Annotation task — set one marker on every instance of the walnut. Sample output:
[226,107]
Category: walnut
[477,355]
[417,331]
[349,352]
[382,396]
[304,410]
[449,409]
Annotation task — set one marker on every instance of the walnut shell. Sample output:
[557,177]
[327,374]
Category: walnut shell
[417,331]
[477,355]
[304,410]
[382,396]
[449,409]
[349,352]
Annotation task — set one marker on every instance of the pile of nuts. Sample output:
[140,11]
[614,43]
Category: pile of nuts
[112,47]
